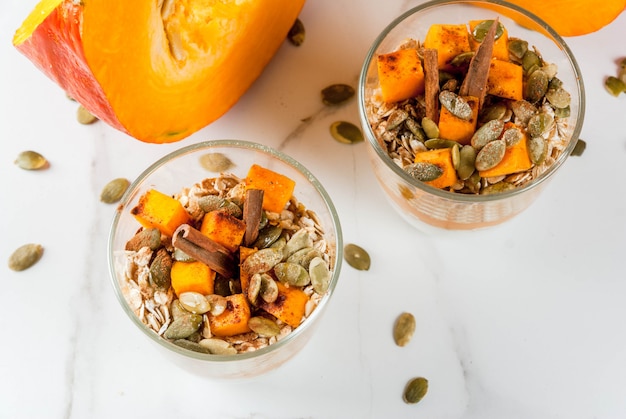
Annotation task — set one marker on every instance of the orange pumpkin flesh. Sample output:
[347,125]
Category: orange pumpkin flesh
[156,73]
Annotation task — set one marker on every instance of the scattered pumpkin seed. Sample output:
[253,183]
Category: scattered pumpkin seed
[423,171]
[403,329]
[456,105]
[25,256]
[490,155]
[216,162]
[579,148]
[218,346]
[614,86]
[336,94]
[346,132]
[114,190]
[84,116]
[183,326]
[480,30]
[31,160]
[537,150]
[357,257]
[415,390]
[263,326]
[297,33]
[487,133]
[430,128]
[467,162]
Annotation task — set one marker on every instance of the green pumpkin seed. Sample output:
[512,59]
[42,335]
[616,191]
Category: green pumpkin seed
[268,290]
[536,86]
[83,116]
[292,274]
[403,329]
[537,150]
[467,162]
[357,257]
[423,171]
[415,390]
[487,133]
[267,236]
[210,203]
[497,188]
[455,155]
[415,129]
[614,86]
[456,105]
[216,162]
[301,239]
[430,128]
[218,346]
[463,59]
[320,275]
[25,256]
[231,208]
[512,136]
[346,132]
[262,260]
[194,302]
[396,118]
[496,111]
[296,33]
[178,310]
[539,124]
[31,160]
[304,256]
[183,327]
[562,112]
[254,287]
[435,143]
[579,148]
[490,155]
[148,237]
[160,270]
[559,97]
[523,111]
[480,30]
[114,190]
[336,94]
[529,60]
[263,326]
[192,346]
[517,48]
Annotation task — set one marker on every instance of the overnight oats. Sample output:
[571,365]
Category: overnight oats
[226,265]
[470,109]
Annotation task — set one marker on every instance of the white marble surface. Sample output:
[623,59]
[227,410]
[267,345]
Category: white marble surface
[525,320]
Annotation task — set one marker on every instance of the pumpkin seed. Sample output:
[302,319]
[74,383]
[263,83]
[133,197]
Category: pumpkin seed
[148,237]
[467,162]
[320,275]
[192,346]
[456,105]
[268,290]
[346,132]
[263,326]
[181,256]
[357,257]
[537,150]
[267,236]
[403,329]
[336,94]
[517,48]
[262,260]
[84,116]
[218,303]
[462,59]
[512,136]
[562,112]
[529,60]
[218,346]
[25,256]
[455,156]
[523,111]
[614,85]
[496,111]
[423,171]
[559,97]
[31,160]
[183,327]
[216,162]
[160,270]
[536,86]
[430,128]
[497,188]
[415,390]
[300,240]
[296,33]
[415,129]
[292,274]
[254,286]
[434,143]
[231,208]
[540,123]
[194,302]
[304,256]
[177,310]
[490,155]
[113,191]
[579,148]
[487,133]
[480,30]
[396,118]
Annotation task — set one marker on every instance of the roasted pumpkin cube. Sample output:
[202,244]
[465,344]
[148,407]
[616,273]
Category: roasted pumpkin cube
[234,319]
[500,46]
[453,128]
[223,228]
[157,210]
[516,159]
[505,80]
[400,74]
[449,41]
[441,157]
[192,276]
[277,188]
[289,307]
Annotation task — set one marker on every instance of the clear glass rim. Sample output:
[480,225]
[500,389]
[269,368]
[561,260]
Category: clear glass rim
[458,197]
[307,323]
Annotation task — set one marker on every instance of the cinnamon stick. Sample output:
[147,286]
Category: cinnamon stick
[431,81]
[252,214]
[475,83]
[203,249]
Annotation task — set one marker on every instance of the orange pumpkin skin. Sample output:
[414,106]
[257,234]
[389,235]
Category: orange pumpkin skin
[113,57]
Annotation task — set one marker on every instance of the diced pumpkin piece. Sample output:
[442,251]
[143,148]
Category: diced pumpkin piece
[289,306]
[449,41]
[223,228]
[441,157]
[192,276]
[516,159]
[456,129]
[277,188]
[400,74]
[244,276]
[500,46]
[505,80]
[157,210]
[234,319]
